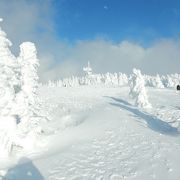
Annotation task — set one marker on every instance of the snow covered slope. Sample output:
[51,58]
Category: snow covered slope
[96,133]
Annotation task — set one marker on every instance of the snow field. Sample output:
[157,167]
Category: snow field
[112,140]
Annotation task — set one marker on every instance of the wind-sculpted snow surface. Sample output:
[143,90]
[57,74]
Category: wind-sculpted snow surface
[115,140]
[96,133]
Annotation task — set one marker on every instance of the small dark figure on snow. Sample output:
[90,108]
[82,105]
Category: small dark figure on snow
[178,87]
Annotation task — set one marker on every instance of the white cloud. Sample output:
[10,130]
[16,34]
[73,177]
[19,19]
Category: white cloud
[26,19]
[161,57]
[33,21]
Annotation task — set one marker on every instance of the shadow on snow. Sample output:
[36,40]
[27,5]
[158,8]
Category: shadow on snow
[24,170]
[153,122]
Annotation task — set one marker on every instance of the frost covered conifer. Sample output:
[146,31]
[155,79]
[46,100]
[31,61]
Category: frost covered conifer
[88,70]
[7,63]
[115,79]
[173,80]
[138,90]
[7,95]
[107,79]
[122,79]
[170,82]
[158,81]
[88,74]
[27,98]
[18,88]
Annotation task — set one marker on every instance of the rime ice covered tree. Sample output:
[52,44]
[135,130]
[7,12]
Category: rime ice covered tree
[7,63]
[29,67]
[138,90]
[122,79]
[171,80]
[88,74]
[18,88]
[88,70]
[158,81]
[27,98]
[7,95]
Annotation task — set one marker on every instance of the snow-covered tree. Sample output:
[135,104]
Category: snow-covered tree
[138,90]
[29,67]
[88,70]
[154,81]
[89,77]
[8,80]
[107,80]
[59,83]
[18,92]
[158,82]
[115,81]
[168,81]
[175,78]
[122,79]
[27,98]
[7,75]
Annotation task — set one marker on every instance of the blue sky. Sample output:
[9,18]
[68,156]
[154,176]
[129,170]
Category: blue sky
[139,20]
[114,35]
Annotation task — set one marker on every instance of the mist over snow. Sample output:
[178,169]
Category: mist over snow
[33,20]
